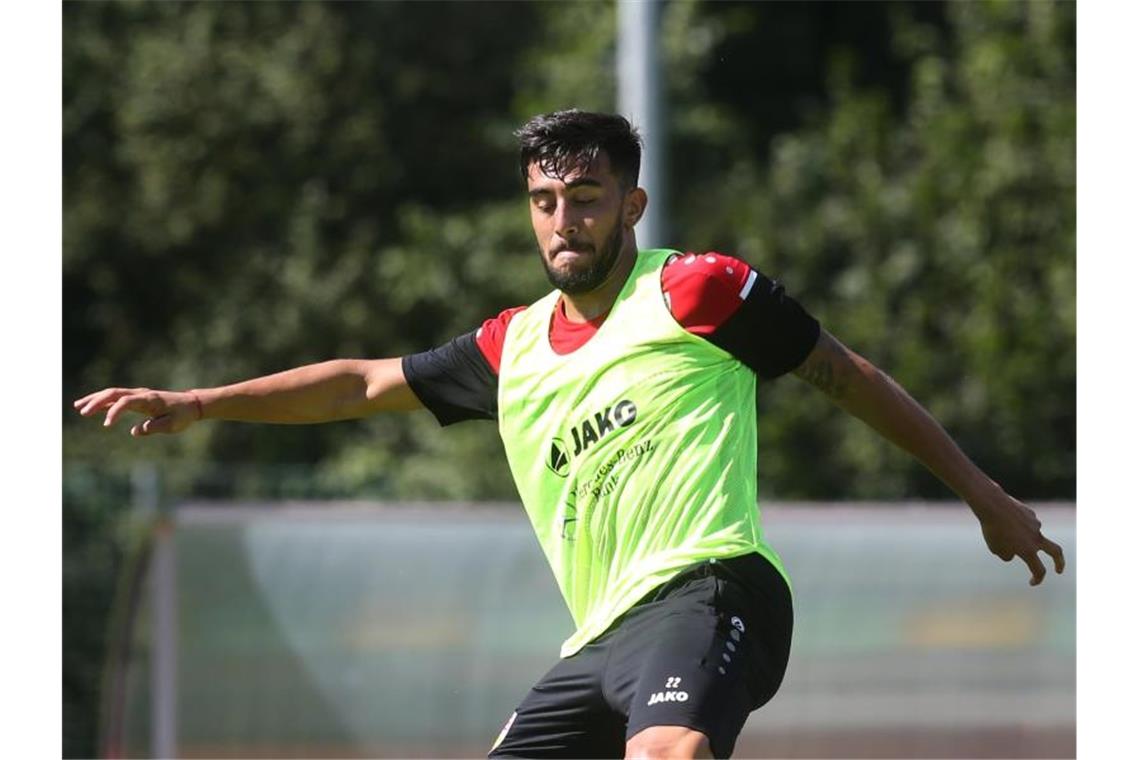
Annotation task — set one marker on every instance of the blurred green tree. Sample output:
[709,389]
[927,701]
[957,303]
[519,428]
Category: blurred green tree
[253,186]
[250,186]
[929,224]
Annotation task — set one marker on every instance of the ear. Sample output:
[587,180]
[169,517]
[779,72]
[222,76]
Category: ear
[634,206]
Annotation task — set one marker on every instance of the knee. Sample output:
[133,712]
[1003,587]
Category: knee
[673,742]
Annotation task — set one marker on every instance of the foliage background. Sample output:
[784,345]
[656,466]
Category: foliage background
[253,186]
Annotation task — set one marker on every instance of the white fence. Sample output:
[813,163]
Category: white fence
[400,630]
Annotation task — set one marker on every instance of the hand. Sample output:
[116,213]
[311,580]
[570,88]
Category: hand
[1011,529]
[166,411]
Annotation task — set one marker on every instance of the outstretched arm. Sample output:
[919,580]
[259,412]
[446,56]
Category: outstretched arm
[340,389]
[1010,528]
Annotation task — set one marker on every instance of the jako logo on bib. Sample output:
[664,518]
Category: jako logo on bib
[588,432]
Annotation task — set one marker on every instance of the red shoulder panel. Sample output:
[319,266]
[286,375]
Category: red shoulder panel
[704,290]
[491,335]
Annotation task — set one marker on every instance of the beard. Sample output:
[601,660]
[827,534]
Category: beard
[574,282]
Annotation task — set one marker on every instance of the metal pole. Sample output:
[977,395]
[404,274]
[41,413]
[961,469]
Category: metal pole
[640,100]
[164,613]
[164,667]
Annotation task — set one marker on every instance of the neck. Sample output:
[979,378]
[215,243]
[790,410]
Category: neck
[586,306]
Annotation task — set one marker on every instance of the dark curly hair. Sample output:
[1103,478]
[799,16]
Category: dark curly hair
[567,141]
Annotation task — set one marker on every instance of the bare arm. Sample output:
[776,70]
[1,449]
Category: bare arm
[340,389]
[864,391]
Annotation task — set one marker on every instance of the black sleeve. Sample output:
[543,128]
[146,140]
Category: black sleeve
[454,381]
[770,332]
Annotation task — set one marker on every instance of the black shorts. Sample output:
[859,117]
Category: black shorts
[702,651]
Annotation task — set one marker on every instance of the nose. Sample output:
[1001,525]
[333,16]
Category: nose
[566,223]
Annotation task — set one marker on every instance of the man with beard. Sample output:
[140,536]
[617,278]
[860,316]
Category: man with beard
[625,399]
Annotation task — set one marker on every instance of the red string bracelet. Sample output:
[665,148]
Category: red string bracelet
[197,403]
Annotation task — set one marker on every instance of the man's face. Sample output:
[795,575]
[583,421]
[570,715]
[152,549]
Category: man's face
[578,221]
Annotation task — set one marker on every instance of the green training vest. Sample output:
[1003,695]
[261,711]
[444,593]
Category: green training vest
[634,455]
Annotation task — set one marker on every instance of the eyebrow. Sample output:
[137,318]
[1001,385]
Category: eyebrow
[573,184]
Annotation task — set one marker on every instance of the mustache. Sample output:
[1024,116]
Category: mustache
[572,245]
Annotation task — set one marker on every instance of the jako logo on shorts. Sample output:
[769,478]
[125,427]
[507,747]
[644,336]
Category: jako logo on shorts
[668,696]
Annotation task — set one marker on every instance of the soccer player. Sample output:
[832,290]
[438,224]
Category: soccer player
[626,403]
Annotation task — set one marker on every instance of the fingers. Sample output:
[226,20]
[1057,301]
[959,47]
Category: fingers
[121,405]
[79,403]
[147,402]
[94,402]
[157,406]
[1054,551]
[1035,567]
[152,425]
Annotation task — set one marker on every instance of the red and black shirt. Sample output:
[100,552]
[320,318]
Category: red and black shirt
[718,297]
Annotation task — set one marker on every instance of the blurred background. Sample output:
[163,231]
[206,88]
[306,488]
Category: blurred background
[254,186]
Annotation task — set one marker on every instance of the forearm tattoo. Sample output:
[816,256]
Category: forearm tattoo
[828,368]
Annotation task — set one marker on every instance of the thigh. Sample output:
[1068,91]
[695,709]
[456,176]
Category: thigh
[704,657]
[564,714]
[754,607]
